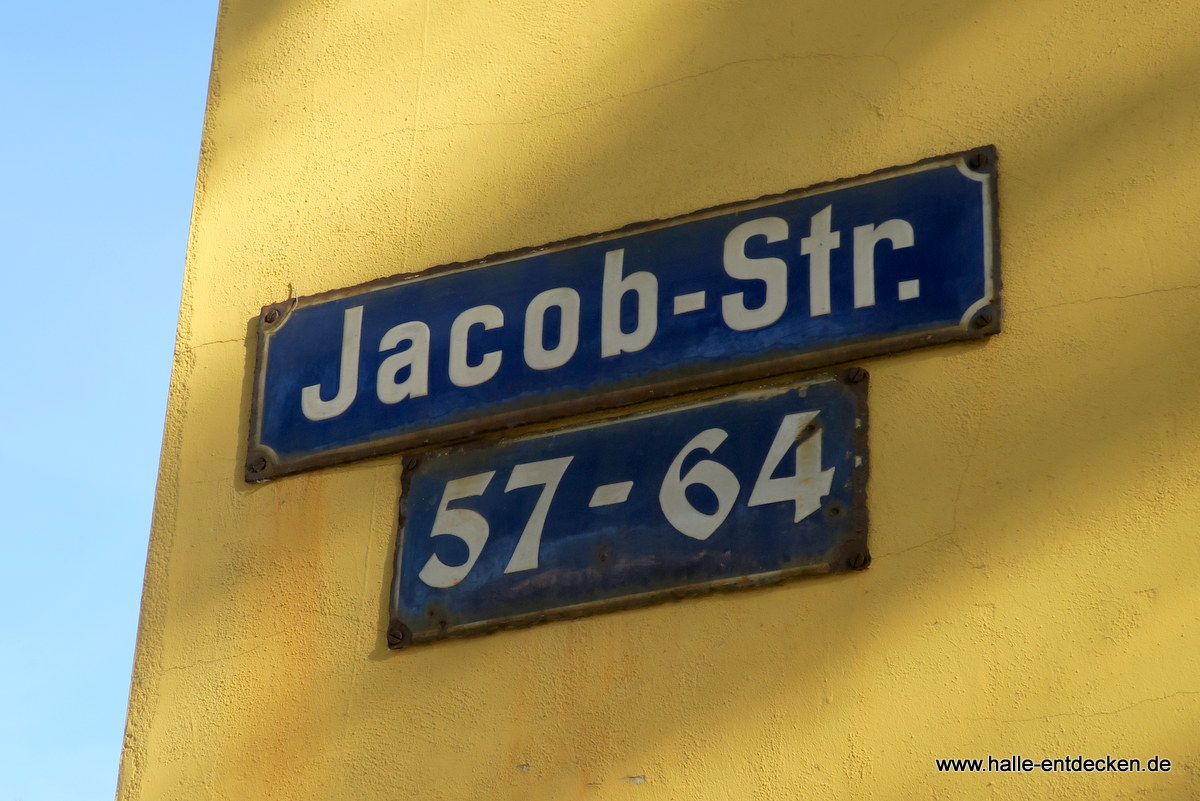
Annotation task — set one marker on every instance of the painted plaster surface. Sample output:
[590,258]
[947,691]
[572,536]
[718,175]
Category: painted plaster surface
[1034,498]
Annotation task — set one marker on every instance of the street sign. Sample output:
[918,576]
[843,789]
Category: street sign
[742,489]
[893,260]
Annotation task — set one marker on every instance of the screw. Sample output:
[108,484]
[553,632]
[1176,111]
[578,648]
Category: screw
[983,319]
[409,462]
[271,316]
[976,160]
[855,375]
[398,635]
[258,465]
[859,561]
[835,510]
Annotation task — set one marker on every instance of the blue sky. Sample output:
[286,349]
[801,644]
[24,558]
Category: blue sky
[101,107]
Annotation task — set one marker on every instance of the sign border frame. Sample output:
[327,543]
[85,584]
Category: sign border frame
[851,554]
[262,463]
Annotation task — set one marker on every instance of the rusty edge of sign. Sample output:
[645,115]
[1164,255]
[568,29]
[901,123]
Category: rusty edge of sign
[263,464]
[850,554]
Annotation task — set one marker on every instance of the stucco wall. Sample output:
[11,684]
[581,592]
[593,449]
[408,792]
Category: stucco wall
[1034,498]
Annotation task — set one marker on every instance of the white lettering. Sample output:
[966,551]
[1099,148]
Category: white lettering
[817,245]
[771,271]
[415,357]
[536,354]
[311,404]
[548,474]
[866,237]
[470,375]
[614,341]
[692,301]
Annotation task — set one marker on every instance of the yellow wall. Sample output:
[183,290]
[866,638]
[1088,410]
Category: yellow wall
[1035,498]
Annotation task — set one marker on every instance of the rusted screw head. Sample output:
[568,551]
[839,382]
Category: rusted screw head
[271,316]
[859,561]
[398,635]
[855,375]
[976,160]
[258,465]
[983,319]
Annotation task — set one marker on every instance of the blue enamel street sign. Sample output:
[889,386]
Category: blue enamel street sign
[893,260]
[743,489]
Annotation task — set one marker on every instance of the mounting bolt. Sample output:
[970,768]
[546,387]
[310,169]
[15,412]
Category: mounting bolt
[983,319]
[258,465]
[398,635]
[271,316]
[409,462]
[855,375]
[977,160]
[859,561]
